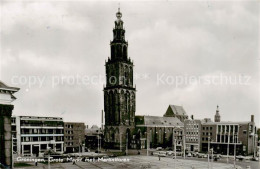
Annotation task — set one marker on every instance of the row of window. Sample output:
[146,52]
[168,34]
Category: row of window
[207,128]
[206,134]
[49,138]
[192,133]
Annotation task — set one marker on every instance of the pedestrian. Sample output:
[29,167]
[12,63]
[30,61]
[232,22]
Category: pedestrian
[36,163]
[159,158]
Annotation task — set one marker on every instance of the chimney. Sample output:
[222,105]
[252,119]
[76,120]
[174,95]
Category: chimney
[252,118]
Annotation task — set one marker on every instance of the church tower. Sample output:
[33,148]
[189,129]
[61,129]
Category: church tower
[119,92]
[217,115]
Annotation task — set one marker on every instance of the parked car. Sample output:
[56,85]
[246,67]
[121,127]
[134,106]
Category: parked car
[162,154]
[254,159]
[195,154]
[159,148]
[199,155]
[240,158]
[205,156]
[169,153]
[189,155]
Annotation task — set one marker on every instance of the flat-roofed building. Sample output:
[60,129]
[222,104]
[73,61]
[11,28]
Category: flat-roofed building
[225,136]
[74,136]
[192,129]
[35,134]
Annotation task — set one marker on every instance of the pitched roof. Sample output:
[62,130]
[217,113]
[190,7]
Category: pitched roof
[158,121]
[175,110]
[3,86]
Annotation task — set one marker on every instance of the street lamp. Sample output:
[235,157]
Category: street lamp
[147,143]
[208,149]
[49,152]
[12,151]
[126,144]
[235,151]
[174,153]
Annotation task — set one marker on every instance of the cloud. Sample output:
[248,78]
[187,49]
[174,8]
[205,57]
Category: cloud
[49,39]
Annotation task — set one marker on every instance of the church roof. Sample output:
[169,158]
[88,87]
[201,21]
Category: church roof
[174,109]
[158,121]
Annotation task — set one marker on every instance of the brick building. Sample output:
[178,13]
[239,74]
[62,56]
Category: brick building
[74,137]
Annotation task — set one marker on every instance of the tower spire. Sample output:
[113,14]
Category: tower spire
[217,115]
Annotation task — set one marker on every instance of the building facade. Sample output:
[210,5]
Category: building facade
[6,108]
[93,137]
[119,92]
[74,137]
[156,131]
[34,135]
[192,130]
[225,137]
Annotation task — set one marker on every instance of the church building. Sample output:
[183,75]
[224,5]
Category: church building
[123,129]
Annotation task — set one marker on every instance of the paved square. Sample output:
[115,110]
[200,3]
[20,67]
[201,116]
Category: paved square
[140,162]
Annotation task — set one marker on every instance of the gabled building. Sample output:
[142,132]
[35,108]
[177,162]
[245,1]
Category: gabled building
[176,111]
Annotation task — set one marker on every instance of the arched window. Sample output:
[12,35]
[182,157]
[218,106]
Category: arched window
[125,52]
[112,51]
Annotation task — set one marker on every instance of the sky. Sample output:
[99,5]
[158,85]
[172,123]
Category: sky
[197,54]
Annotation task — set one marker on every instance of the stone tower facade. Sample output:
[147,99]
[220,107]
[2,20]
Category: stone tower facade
[217,115]
[119,92]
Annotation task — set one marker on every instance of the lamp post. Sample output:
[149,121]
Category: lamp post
[212,157]
[12,151]
[254,144]
[126,144]
[120,141]
[174,153]
[49,152]
[184,145]
[208,149]
[235,151]
[228,148]
[147,143]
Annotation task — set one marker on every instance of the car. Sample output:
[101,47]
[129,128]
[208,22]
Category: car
[199,155]
[240,158]
[159,148]
[169,153]
[195,154]
[205,156]
[254,159]
[189,155]
[162,154]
